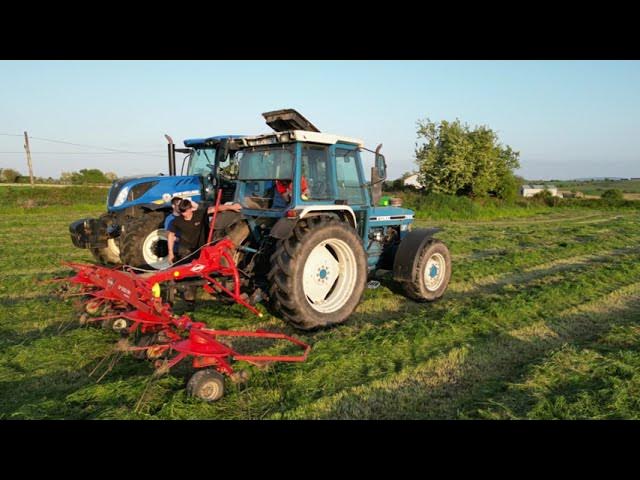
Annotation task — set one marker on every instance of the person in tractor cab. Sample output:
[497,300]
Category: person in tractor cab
[284,190]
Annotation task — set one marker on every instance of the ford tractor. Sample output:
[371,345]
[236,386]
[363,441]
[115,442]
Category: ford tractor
[132,231]
[312,230]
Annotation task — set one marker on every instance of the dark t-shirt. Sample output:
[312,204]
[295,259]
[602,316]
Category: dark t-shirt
[192,233]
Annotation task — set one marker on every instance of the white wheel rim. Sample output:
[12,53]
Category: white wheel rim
[119,324]
[149,249]
[112,245]
[210,390]
[329,276]
[434,272]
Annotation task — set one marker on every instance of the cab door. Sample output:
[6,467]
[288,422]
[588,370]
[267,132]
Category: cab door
[350,183]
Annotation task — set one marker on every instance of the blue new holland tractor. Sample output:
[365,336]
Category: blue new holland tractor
[315,227]
[132,230]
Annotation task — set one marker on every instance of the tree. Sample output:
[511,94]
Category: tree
[111,176]
[66,177]
[91,175]
[456,159]
[9,175]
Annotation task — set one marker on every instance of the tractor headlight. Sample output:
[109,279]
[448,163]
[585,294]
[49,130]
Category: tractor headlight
[122,196]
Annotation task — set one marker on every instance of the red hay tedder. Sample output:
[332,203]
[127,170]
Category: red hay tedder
[133,304]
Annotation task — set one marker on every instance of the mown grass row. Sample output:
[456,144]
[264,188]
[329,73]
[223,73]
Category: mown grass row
[514,303]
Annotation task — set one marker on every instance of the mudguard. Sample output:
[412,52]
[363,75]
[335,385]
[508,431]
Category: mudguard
[283,228]
[407,255]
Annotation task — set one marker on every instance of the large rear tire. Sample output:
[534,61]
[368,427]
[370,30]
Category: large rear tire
[318,273]
[144,242]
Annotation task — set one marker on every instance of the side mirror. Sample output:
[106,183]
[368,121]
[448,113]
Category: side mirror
[378,175]
[381,164]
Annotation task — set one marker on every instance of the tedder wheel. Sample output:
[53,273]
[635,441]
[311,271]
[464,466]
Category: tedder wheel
[208,385]
[145,340]
[92,307]
[318,274]
[144,242]
[431,273]
[120,325]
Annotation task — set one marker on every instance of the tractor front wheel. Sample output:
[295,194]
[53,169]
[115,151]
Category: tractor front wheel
[109,255]
[431,273]
[144,242]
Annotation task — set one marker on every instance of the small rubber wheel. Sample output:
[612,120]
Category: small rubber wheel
[207,385]
[120,325]
[145,340]
[93,306]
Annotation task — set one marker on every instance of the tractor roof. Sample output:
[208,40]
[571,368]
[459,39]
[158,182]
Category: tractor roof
[297,136]
[209,141]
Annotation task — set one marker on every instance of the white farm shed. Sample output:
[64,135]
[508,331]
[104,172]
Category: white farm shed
[412,181]
[531,190]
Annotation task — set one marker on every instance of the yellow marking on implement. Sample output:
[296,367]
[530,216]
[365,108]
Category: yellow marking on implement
[155,290]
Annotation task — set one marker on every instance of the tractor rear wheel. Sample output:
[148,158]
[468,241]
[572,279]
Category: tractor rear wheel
[144,242]
[431,274]
[207,385]
[318,273]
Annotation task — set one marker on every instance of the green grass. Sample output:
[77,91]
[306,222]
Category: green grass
[541,320]
[596,187]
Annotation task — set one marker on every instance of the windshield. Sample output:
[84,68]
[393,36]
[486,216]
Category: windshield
[202,161]
[266,163]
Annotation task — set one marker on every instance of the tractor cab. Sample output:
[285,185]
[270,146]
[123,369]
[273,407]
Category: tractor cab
[290,175]
[209,159]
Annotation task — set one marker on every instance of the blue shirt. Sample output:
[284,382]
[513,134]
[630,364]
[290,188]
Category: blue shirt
[167,223]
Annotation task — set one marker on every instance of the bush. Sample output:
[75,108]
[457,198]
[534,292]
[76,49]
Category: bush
[612,196]
[85,176]
[9,175]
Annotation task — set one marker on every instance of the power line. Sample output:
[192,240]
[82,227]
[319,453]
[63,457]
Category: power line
[115,150]
[81,153]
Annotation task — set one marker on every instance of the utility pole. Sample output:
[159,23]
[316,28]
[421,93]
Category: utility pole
[26,147]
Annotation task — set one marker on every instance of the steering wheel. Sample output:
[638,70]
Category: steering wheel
[319,188]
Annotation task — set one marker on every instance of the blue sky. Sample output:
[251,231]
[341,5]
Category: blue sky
[568,119]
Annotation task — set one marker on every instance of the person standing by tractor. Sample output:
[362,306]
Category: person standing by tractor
[175,212]
[192,227]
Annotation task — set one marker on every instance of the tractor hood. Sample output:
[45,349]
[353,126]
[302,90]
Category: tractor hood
[152,191]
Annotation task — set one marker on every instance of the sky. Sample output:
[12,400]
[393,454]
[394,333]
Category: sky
[568,119]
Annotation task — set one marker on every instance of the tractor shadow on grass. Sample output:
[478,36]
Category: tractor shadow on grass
[464,380]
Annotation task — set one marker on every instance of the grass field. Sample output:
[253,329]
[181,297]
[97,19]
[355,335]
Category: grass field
[630,188]
[541,320]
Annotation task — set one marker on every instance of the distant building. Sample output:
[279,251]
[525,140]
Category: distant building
[412,181]
[531,190]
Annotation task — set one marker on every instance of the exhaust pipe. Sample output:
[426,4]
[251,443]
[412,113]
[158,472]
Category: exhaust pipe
[171,148]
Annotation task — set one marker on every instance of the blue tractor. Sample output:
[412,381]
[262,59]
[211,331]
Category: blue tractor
[132,231]
[313,230]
